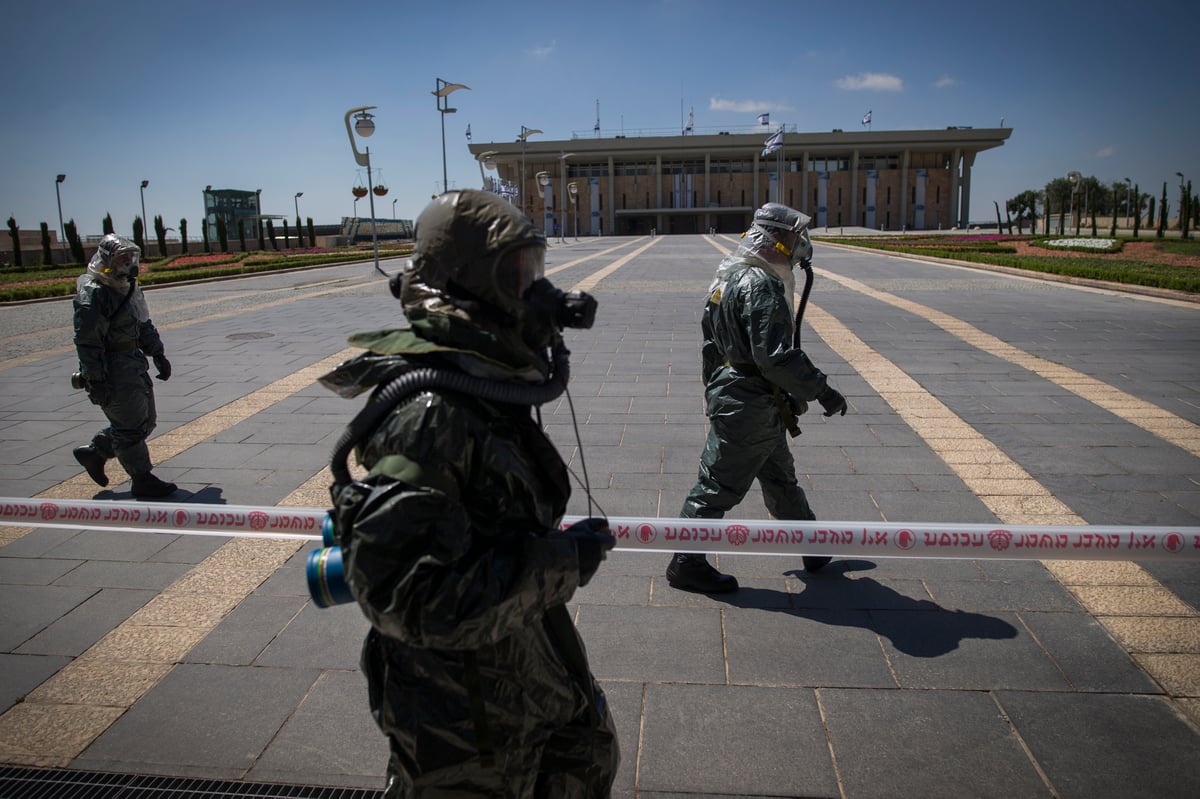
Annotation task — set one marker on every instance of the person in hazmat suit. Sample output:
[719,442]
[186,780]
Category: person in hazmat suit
[113,337]
[452,543]
[757,381]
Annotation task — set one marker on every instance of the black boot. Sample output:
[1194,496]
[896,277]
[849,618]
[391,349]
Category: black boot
[93,461]
[694,573]
[147,486]
[814,563]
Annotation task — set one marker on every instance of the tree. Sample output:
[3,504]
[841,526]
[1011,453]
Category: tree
[204,235]
[262,239]
[1185,213]
[286,238]
[160,233]
[312,236]
[183,236]
[271,234]
[107,225]
[13,232]
[223,234]
[73,240]
[47,256]
[299,232]
[137,233]
[1162,213]
[1137,209]
[242,233]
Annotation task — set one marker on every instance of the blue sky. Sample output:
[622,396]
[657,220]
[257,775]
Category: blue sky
[252,94]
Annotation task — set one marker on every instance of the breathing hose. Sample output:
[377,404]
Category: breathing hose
[425,378]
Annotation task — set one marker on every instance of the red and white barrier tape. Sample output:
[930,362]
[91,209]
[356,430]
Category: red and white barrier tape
[744,536]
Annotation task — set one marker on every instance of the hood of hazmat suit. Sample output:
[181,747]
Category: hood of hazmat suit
[475,671]
[748,347]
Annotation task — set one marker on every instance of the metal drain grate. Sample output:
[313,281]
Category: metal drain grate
[38,783]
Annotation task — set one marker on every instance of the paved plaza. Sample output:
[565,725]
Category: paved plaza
[158,662]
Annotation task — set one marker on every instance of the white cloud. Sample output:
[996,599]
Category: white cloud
[744,106]
[945,82]
[870,81]
[542,50]
[1106,152]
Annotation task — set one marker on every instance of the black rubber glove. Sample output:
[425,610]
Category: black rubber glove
[592,538]
[99,393]
[832,401]
[163,366]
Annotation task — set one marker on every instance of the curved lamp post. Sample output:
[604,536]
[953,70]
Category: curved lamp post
[442,92]
[364,126]
[573,190]
[525,134]
[296,202]
[485,159]
[145,227]
[543,181]
[62,231]
[562,181]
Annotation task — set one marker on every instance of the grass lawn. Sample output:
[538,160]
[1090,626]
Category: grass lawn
[1168,263]
[37,282]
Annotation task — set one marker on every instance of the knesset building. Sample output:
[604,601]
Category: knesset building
[629,185]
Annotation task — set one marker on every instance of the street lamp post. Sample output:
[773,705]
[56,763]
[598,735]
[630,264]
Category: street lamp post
[145,238]
[485,159]
[573,190]
[442,92]
[562,181]
[62,231]
[525,134]
[394,209]
[296,202]
[364,126]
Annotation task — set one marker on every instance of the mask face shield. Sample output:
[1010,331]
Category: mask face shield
[518,268]
[123,263]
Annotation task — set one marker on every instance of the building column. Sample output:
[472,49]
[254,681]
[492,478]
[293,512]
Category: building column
[854,188]
[658,200]
[707,197]
[612,200]
[965,216]
[804,187]
[954,201]
[904,162]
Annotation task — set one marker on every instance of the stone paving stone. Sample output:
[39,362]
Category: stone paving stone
[1100,746]
[29,609]
[653,644]
[925,744]
[23,673]
[79,628]
[201,721]
[242,636]
[118,574]
[1087,655]
[625,704]
[994,595]
[318,638]
[735,740]
[965,651]
[330,739]
[804,647]
[111,545]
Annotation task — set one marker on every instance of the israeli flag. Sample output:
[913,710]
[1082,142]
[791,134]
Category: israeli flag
[773,142]
[867,118]
[764,119]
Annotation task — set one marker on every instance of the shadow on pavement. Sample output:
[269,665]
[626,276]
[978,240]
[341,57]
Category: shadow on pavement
[916,627]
